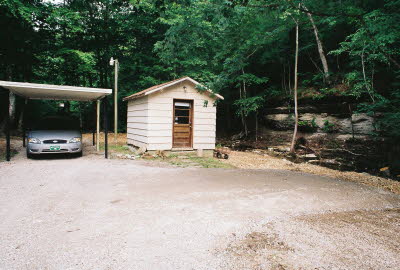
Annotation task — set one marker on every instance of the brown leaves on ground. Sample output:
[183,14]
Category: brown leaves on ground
[121,138]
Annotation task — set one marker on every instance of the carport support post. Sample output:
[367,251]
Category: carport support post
[105,127]
[98,126]
[23,123]
[94,129]
[8,124]
[116,100]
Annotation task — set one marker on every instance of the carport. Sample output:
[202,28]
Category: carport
[58,92]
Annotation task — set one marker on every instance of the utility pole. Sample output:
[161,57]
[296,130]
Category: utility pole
[115,63]
[296,113]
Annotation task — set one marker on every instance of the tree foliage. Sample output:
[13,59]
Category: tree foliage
[242,49]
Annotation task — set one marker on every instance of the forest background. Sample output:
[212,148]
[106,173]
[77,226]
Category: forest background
[245,50]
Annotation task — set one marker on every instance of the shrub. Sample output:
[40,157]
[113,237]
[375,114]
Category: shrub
[328,127]
[308,126]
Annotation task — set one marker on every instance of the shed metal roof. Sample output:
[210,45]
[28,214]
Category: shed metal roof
[55,92]
[159,87]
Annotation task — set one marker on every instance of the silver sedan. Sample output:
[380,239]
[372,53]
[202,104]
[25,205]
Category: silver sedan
[54,136]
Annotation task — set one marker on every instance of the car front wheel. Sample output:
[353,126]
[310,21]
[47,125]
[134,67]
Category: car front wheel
[28,155]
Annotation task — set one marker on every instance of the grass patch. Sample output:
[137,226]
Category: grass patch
[195,161]
[177,163]
[210,162]
[121,149]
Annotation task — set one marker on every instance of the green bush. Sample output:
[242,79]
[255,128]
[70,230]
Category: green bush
[328,127]
[308,126]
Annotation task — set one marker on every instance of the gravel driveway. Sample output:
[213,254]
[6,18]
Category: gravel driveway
[92,213]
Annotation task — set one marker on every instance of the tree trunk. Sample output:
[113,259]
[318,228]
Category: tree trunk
[256,126]
[367,85]
[320,48]
[67,107]
[284,79]
[351,121]
[296,115]
[80,115]
[11,97]
[12,109]
[243,115]
[21,116]
[289,81]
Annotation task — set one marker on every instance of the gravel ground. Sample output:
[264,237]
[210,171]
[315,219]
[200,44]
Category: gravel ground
[92,213]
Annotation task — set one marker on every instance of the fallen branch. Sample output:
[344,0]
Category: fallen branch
[343,150]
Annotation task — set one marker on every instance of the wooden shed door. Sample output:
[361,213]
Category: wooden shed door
[182,129]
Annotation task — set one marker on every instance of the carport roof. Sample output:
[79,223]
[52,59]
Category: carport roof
[55,92]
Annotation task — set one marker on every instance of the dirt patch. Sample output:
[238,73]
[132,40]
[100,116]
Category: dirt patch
[342,240]
[248,250]
[384,223]
[16,147]
[262,160]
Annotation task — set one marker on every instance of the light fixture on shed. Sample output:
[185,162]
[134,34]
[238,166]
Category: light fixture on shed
[184,89]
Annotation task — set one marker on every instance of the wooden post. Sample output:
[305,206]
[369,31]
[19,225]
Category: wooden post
[94,128]
[98,126]
[105,113]
[116,100]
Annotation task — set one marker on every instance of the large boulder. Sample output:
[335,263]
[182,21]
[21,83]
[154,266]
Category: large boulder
[361,124]
[279,121]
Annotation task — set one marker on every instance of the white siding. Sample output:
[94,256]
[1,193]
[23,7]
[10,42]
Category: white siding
[137,122]
[136,143]
[150,118]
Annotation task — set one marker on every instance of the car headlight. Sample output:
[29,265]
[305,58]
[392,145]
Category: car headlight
[75,140]
[33,140]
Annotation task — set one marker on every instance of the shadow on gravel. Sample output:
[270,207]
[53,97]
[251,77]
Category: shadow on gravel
[54,156]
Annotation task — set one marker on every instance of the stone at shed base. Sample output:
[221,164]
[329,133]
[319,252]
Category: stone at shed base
[206,153]
[200,152]
[132,148]
[141,150]
[122,156]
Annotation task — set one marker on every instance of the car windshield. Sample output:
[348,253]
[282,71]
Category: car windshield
[57,124]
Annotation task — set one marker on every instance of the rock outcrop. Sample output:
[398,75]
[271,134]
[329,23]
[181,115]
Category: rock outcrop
[311,119]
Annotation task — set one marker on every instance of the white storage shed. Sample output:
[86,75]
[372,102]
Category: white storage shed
[175,115]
